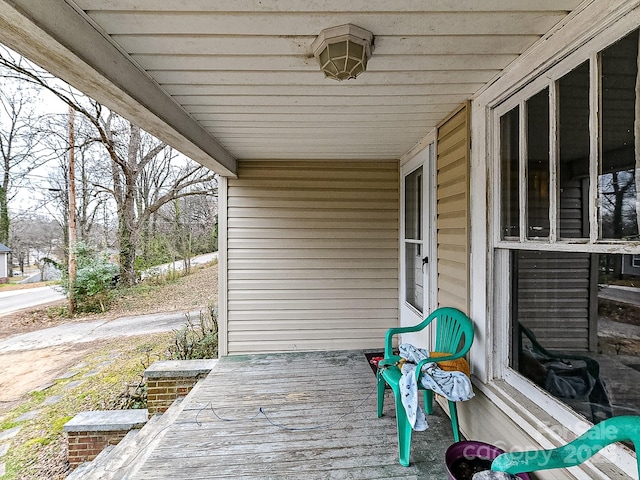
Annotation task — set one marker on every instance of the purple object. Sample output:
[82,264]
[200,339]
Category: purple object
[472,450]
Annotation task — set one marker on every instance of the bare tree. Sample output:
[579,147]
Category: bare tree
[190,223]
[20,150]
[133,156]
[618,204]
[35,237]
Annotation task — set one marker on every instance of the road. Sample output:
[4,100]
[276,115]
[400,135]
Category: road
[84,332]
[179,264]
[14,300]
[619,293]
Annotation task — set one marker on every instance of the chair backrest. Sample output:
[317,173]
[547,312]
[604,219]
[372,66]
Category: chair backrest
[616,429]
[454,330]
[451,326]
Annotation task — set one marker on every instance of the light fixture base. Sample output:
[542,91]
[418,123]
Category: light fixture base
[343,51]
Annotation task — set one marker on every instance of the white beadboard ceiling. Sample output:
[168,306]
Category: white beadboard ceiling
[244,72]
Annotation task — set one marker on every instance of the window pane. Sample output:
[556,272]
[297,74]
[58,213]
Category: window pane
[509,158]
[574,153]
[413,232]
[413,205]
[576,329]
[538,165]
[414,276]
[617,179]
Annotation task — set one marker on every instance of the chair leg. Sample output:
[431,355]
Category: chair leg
[454,420]
[404,431]
[428,402]
[381,387]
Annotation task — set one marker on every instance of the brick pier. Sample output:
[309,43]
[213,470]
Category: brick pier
[170,379]
[88,433]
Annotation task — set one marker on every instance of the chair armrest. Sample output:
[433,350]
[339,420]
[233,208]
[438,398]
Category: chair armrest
[593,367]
[388,349]
[616,429]
[422,363]
[389,361]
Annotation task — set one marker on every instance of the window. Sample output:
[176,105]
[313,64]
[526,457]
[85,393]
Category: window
[569,213]
[413,240]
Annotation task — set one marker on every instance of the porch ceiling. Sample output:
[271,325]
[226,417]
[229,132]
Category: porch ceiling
[236,79]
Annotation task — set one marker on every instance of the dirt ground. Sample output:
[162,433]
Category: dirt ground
[24,371]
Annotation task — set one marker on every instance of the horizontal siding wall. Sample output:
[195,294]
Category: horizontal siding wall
[553,292]
[452,211]
[312,255]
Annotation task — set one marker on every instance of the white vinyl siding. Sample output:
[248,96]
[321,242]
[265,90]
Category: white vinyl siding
[482,421]
[312,255]
[452,211]
[4,265]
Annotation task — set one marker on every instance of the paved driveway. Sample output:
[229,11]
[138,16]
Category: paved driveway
[83,332]
[15,300]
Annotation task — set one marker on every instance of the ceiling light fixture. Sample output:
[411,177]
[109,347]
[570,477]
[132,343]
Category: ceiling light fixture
[343,51]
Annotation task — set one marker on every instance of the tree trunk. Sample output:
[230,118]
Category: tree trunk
[72,267]
[127,250]
[4,217]
[128,228]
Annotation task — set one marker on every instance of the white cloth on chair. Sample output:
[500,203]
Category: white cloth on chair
[455,386]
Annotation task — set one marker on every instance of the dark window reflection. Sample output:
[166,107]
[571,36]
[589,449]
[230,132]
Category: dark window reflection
[574,152]
[576,329]
[538,165]
[617,182]
[509,159]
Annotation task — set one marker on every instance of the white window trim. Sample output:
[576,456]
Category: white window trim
[423,157]
[594,28]
[223,304]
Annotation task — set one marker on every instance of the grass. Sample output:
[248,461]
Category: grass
[619,312]
[39,451]
[14,284]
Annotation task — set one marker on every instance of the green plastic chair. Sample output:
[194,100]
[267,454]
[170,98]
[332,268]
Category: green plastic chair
[454,335]
[611,430]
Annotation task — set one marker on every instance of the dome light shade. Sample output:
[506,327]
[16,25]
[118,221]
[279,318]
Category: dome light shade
[343,51]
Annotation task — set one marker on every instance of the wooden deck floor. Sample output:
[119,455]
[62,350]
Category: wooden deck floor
[318,422]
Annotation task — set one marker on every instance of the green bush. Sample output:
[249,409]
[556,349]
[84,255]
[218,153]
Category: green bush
[95,278]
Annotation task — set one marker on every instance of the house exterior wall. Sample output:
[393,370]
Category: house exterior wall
[4,267]
[629,265]
[311,256]
[452,211]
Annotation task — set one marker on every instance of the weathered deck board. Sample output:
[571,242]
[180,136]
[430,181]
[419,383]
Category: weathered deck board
[327,405]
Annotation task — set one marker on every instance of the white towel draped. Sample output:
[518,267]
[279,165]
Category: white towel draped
[455,386]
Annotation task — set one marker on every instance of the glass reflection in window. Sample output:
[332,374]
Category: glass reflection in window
[617,187]
[576,329]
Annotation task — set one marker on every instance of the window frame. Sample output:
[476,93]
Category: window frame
[591,244]
[498,250]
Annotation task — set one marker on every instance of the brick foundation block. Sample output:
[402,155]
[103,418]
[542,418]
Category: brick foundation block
[170,379]
[88,433]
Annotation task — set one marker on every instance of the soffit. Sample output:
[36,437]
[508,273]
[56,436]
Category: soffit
[243,70]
